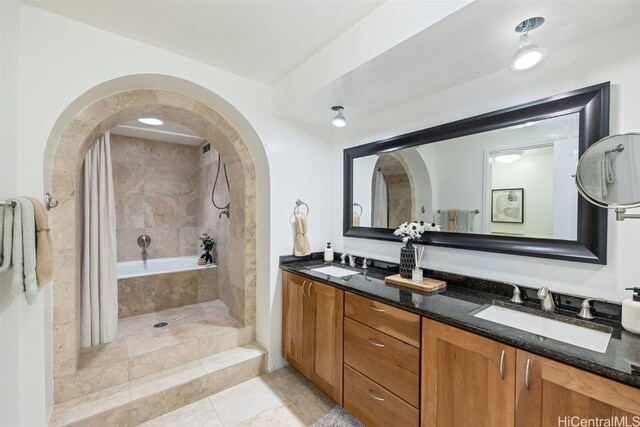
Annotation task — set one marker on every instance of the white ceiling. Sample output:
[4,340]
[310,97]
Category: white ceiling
[258,39]
[472,42]
[270,40]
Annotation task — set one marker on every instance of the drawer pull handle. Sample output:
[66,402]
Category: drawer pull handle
[502,363]
[526,375]
[381,399]
[377,344]
[309,290]
[304,283]
[379,310]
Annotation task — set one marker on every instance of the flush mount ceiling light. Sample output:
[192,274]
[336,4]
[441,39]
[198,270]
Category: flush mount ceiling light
[508,157]
[339,121]
[528,54]
[151,121]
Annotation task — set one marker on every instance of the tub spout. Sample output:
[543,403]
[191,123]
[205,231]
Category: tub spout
[144,255]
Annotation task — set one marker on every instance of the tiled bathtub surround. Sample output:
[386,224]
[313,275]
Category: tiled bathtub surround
[147,294]
[156,191]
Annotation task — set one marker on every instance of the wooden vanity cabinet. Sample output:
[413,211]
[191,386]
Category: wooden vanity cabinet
[471,380]
[549,393]
[312,316]
[381,363]
[467,380]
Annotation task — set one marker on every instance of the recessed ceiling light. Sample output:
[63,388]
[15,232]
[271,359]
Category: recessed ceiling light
[339,120]
[507,157]
[528,54]
[151,121]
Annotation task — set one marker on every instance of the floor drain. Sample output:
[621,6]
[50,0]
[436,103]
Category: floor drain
[160,325]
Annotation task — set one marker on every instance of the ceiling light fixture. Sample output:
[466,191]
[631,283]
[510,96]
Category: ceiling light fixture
[151,121]
[508,157]
[339,121]
[528,54]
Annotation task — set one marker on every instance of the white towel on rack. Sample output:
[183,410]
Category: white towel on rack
[6,236]
[24,251]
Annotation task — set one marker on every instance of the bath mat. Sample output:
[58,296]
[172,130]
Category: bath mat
[338,417]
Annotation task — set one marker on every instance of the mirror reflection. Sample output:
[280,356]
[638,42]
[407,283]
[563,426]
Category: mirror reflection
[608,171]
[514,181]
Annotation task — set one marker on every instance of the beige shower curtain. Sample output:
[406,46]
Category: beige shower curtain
[99,290]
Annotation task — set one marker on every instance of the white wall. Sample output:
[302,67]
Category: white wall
[606,58]
[55,63]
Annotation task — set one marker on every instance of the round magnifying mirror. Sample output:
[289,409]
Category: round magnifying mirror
[608,173]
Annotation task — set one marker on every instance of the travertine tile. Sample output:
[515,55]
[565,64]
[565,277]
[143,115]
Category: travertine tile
[285,414]
[215,324]
[88,381]
[136,325]
[136,295]
[232,357]
[207,285]
[215,305]
[289,381]
[102,402]
[101,355]
[185,314]
[236,374]
[64,356]
[149,363]
[158,404]
[197,414]
[162,338]
[176,290]
[166,379]
[223,341]
[313,404]
[244,401]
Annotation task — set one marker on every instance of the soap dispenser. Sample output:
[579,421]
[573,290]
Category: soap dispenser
[631,312]
[328,253]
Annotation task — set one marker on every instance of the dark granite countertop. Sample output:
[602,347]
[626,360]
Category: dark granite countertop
[463,295]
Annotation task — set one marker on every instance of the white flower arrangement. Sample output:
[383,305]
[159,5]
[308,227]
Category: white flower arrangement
[414,230]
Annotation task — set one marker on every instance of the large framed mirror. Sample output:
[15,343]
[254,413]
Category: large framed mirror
[498,182]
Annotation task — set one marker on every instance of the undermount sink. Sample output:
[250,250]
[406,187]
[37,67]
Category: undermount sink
[334,271]
[580,336]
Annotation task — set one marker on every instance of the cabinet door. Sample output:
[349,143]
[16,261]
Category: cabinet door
[295,340]
[467,380]
[326,330]
[554,394]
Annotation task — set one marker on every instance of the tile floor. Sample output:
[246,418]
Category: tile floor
[282,398]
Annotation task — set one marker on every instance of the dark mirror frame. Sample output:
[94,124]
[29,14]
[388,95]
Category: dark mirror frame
[592,104]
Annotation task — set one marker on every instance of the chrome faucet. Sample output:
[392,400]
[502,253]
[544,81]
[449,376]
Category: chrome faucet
[144,254]
[516,294]
[364,263]
[352,260]
[546,300]
[585,308]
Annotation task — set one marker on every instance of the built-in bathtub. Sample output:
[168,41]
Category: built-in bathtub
[163,283]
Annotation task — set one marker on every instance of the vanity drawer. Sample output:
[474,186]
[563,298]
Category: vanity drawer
[393,321]
[374,405]
[390,362]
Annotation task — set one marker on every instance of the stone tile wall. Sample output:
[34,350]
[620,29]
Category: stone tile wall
[156,191]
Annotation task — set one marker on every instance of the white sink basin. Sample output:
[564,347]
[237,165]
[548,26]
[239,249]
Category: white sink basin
[334,271]
[572,334]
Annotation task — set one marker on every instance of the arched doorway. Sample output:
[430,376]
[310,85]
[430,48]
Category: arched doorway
[67,147]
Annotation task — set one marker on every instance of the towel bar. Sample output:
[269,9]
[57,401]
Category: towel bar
[357,205]
[8,203]
[474,211]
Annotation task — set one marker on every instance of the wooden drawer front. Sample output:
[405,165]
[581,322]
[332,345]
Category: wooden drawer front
[374,405]
[391,363]
[393,321]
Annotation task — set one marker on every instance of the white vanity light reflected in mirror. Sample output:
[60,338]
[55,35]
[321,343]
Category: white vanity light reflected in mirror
[608,174]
